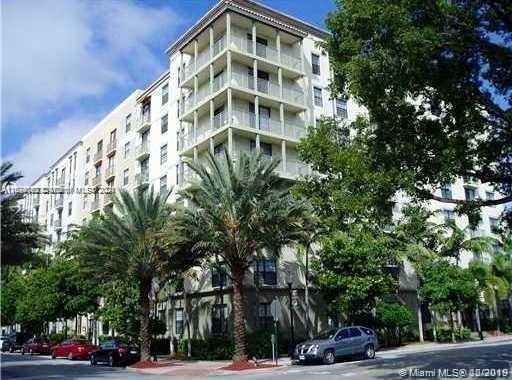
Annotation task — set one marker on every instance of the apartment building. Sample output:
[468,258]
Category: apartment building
[245,78]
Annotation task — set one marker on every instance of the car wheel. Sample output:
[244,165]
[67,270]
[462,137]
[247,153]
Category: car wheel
[70,356]
[31,352]
[23,351]
[93,360]
[369,352]
[11,349]
[53,355]
[329,357]
[111,360]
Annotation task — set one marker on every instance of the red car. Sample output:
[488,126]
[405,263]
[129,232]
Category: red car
[73,349]
[36,346]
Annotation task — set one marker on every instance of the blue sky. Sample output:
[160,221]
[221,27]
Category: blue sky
[66,63]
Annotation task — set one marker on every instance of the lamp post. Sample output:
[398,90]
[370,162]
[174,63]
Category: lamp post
[290,296]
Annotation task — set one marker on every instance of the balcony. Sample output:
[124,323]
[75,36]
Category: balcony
[111,148]
[95,205]
[36,201]
[142,151]
[59,202]
[98,156]
[110,173]
[60,181]
[57,224]
[142,179]
[145,122]
[108,200]
[96,181]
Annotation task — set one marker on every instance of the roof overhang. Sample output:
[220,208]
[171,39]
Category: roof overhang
[148,91]
[252,9]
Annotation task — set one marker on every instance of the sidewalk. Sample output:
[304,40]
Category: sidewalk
[200,369]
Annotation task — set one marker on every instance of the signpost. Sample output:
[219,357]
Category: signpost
[275,310]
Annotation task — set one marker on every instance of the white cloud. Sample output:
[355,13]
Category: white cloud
[43,148]
[57,52]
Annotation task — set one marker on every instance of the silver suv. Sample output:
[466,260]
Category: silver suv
[335,343]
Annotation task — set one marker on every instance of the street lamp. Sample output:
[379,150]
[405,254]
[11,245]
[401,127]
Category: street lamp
[290,296]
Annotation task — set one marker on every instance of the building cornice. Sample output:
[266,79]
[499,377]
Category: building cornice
[252,9]
[149,90]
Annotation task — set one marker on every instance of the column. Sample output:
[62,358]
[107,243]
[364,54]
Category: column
[228,30]
[212,145]
[212,75]
[255,74]
[195,55]
[254,38]
[212,111]
[230,106]
[195,127]
[257,112]
[283,154]
[278,45]
[195,153]
[230,141]
[212,42]
[281,117]
[228,67]
[280,81]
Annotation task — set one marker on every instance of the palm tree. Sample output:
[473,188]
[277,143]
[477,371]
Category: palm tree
[129,243]
[19,237]
[235,211]
[501,267]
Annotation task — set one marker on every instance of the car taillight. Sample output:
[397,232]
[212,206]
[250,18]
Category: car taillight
[122,351]
[81,348]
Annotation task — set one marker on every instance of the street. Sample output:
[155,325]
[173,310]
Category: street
[487,356]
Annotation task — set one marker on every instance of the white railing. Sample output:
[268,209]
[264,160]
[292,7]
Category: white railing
[202,92]
[268,87]
[288,58]
[188,103]
[293,94]
[242,80]
[297,168]
[219,45]
[219,82]
[202,57]
[220,120]
[241,43]
[243,118]
[266,51]
[295,129]
[142,148]
[270,125]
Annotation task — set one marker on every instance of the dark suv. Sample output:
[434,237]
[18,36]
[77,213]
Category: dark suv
[15,341]
[335,343]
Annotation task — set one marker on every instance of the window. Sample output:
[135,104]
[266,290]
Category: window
[265,318]
[112,139]
[470,193]
[85,201]
[86,178]
[341,108]
[343,334]
[489,195]
[265,148]
[127,150]
[128,123]
[265,272]
[218,150]
[99,147]
[219,319]
[219,275]
[355,332]
[178,321]
[163,184]
[165,93]
[88,155]
[446,191]
[126,177]
[70,208]
[164,123]
[315,64]
[146,112]
[318,96]
[448,215]
[163,154]
[494,223]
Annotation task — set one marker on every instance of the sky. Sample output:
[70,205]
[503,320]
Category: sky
[66,63]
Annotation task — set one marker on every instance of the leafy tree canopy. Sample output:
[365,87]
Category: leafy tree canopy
[435,77]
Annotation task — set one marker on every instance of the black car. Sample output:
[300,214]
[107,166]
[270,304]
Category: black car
[115,352]
[15,341]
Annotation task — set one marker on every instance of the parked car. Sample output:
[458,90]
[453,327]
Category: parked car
[115,352]
[336,343]
[72,349]
[36,346]
[15,341]
[3,339]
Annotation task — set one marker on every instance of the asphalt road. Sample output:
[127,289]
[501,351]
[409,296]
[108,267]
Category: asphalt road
[487,357]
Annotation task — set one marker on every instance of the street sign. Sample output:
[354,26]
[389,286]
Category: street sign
[275,310]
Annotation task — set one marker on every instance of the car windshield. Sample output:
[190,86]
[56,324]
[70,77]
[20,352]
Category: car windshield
[81,341]
[328,334]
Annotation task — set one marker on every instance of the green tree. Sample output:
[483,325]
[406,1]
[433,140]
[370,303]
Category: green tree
[435,77]
[129,244]
[235,211]
[448,288]
[19,237]
[352,269]
[393,318]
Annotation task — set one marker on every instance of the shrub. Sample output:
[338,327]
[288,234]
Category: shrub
[56,338]
[160,346]
[393,318]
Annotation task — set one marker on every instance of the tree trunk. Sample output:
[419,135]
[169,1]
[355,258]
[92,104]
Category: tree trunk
[452,325]
[240,353]
[306,295]
[145,333]
[420,316]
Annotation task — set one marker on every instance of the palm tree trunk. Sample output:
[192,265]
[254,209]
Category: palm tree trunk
[240,353]
[145,333]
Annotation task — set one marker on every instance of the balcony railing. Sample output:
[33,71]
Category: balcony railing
[296,168]
[98,155]
[142,178]
[108,199]
[95,204]
[110,172]
[59,202]
[57,224]
[96,181]
[145,121]
[111,147]
[142,150]
[36,201]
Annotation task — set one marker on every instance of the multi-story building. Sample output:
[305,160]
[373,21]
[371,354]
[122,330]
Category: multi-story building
[244,78]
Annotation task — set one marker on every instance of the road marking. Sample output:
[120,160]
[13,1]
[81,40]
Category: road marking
[348,374]
[320,373]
